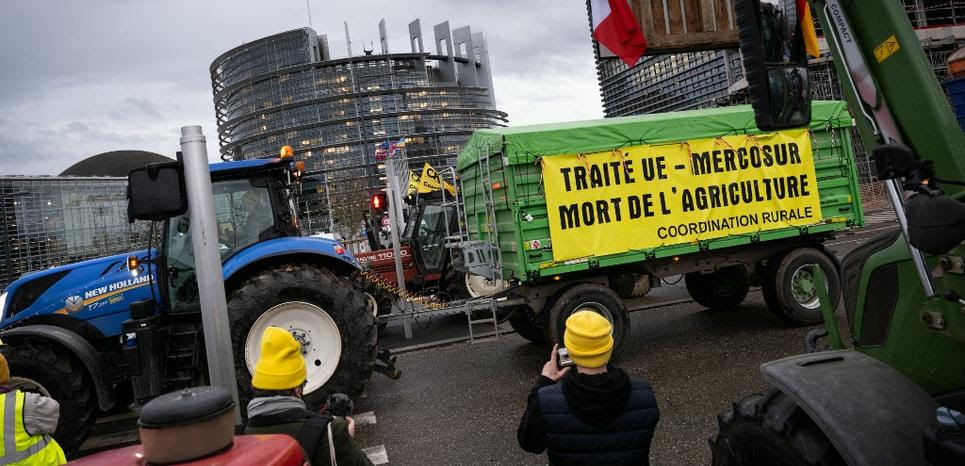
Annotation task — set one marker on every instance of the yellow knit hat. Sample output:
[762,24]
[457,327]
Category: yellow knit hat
[281,365]
[4,370]
[588,338]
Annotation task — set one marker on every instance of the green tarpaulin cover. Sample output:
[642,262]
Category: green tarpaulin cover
[524,144]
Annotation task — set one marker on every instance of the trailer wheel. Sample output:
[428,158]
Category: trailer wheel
[789,288]
[51,371]
[527,324]
[770,429]
[596,298]
[720,290]
[329,317]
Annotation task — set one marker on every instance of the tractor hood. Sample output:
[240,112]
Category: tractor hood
[291,246]
[87,291]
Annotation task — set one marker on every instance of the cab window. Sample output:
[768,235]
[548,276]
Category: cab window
[244,216]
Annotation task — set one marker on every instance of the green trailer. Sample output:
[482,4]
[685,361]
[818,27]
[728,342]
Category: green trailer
[584,214]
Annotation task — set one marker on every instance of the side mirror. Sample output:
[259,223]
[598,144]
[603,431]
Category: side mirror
[775,63]
[936,224]
[894,161]
[156,192]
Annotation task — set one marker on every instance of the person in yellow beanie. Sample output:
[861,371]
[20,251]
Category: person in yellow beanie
[278,408]
[31,418]
[595,415]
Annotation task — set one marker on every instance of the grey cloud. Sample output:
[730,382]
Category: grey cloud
[78,127]
[139,105]
[133,72]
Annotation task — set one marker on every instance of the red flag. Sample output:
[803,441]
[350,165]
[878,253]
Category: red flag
[616,28]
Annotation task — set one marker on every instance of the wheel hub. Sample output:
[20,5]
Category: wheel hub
[301,336]
[314,330]
[803,288]
[480,287]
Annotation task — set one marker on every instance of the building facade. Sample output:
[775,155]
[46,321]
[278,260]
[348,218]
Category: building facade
[50,221]
[287,89]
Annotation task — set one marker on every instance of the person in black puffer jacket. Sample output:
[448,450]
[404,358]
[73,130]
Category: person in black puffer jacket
[598,414]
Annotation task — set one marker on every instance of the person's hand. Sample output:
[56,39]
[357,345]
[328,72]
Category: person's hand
[551,369]
[351,426]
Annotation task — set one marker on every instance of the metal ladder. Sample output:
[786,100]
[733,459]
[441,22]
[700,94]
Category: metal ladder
[488,304]
[460,242]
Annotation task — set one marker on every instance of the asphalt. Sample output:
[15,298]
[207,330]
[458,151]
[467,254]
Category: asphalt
[461,404]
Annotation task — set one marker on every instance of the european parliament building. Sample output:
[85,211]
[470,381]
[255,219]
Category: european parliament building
[288,89]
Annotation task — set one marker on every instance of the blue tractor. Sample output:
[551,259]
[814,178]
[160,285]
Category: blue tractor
[107,332]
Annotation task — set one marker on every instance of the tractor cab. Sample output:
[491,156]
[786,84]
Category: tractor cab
[429,224]
[253,203]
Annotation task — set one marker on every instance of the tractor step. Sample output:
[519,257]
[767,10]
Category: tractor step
[181,361]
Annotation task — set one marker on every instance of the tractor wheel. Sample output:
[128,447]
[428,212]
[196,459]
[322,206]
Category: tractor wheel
[49,370]
[379,299]
[482,287]
[460,285]
[592,297]
[789,288]
[455,286]
[770,429]
[720,290]
[527,324]
[329,317]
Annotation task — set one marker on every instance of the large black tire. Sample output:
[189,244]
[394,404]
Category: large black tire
[455,284]
[770,429]
[720,290]
[37,366]
[527,324]
[785,295]
[382,297]
[594,297]
[336,296]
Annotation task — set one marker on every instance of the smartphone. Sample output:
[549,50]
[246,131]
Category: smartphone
[563,358]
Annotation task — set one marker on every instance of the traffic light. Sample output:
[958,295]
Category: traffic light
[377,202]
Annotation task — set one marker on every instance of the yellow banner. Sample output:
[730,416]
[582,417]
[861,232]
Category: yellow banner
[430,181]
[413,183]
[647,196]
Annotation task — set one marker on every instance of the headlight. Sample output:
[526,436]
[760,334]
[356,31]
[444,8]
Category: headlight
[3,305]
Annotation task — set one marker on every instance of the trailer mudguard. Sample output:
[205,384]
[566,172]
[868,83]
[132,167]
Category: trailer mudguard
[845,393]
[76,345]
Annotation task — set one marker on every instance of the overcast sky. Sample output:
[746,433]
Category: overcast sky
[79,78]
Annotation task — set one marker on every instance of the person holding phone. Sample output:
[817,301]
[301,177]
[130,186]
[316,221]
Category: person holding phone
[590,412]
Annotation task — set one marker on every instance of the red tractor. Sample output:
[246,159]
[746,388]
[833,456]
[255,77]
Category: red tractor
[427,266]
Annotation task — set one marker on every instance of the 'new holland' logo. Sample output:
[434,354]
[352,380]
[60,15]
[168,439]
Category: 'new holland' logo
[73,303]
[115,286]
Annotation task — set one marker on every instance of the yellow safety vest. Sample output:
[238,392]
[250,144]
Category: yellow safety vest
[17,447]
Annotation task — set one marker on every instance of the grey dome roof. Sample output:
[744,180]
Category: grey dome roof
[114,163]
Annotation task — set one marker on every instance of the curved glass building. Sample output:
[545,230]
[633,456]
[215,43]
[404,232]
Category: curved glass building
[286,89]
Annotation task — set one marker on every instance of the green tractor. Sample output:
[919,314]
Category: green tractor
[896,393]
